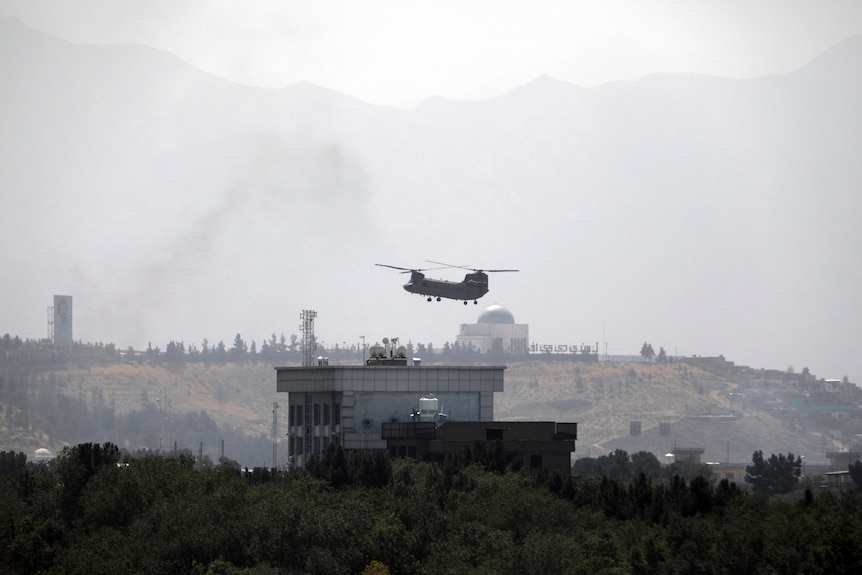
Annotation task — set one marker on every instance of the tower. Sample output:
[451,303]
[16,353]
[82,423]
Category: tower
[60,320]
[308,342]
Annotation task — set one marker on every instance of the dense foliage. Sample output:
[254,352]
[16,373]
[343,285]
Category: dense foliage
[774,476]
[96,510]
[620,465]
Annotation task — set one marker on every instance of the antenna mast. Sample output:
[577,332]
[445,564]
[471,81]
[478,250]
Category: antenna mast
[274,435]
[51,323]
[307,328]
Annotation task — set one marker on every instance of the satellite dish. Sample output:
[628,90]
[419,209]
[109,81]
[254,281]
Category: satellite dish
[385,340]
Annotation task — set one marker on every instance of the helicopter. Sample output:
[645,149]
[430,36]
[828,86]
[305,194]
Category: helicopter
[474,286]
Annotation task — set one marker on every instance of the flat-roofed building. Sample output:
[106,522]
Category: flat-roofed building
[347,405]
[538,444]
[689,454]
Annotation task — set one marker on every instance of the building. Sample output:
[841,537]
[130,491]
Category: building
[425,412]
[538,444]
[841,460]
[347,405]
[60,321]
[734,472]
[495,331]
[689,454]
[42,455]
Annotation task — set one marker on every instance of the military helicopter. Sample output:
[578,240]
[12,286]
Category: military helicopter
[474,286]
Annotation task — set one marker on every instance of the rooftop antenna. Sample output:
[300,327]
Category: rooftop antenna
[307,328]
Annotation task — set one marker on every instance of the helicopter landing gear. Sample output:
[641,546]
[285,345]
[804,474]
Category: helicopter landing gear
[429,299]
[438,299]
[474,302]
[465,302]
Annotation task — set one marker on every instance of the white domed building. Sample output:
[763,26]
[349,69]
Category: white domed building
[42,455]
[495,331]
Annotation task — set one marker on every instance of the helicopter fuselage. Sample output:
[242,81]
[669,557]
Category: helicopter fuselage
[474,286]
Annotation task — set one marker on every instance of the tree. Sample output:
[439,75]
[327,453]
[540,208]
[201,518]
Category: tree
[662,355]
[331,466]
[12,463]
[220,351]
[152,352]
[175,351]
[687,470]
[239,348]
[647,351]
[773,476]
[647,463]
[77,465]
[585,466]
[615,465]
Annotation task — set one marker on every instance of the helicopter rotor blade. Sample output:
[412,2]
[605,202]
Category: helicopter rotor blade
[405,270]
[468,268]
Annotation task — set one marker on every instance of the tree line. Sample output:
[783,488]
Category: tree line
[17,353]
[99,510]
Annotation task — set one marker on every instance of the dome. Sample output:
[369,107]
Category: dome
[496,314]
[43,455]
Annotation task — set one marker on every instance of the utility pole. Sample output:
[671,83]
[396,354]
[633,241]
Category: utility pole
[274,434]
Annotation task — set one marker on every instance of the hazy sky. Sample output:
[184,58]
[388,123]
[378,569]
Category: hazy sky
[400,52]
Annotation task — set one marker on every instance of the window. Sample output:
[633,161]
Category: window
[290,416]
[316,414]
[298,415]
[336,414]
[325,414]
[494,434]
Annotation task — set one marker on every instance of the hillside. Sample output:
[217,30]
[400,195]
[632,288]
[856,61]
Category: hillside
[604,398]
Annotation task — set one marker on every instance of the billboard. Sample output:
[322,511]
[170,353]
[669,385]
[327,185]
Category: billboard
[62,320]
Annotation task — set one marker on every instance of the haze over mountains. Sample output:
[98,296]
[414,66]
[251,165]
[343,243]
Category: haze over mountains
[704,215]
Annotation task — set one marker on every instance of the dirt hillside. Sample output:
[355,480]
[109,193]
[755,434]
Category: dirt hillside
[603,398]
